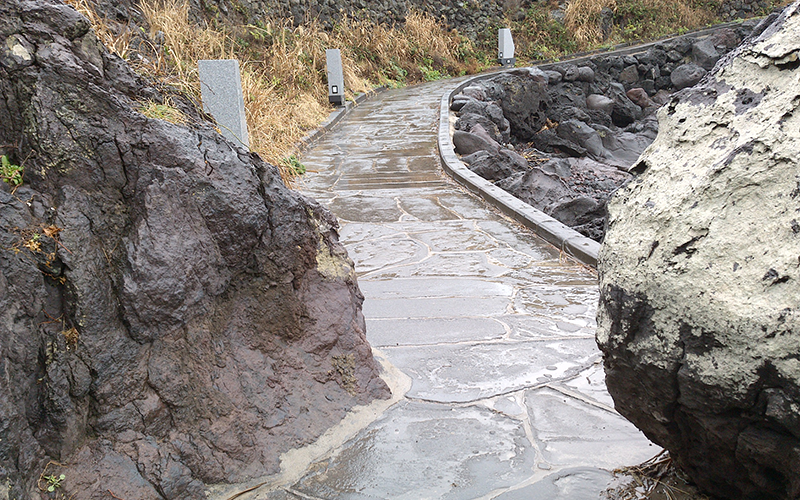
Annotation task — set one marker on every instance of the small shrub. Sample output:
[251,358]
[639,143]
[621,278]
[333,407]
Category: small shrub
[293,165]
[54,481]
[10,173]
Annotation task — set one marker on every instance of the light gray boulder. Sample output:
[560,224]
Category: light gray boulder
[699,317]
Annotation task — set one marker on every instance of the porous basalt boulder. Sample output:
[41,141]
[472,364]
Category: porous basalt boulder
[700,276]
[171,315]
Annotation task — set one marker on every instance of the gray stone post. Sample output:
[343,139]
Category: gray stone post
[221,89]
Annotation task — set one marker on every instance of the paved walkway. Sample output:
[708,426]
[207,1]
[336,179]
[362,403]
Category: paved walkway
[493,327]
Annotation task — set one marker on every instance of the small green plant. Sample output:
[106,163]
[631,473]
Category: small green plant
[429,74]
[54,481]
[11,173]
[293,165]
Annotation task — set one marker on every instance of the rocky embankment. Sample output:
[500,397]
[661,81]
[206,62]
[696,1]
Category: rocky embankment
[700,276]
[564,138]
[171,314]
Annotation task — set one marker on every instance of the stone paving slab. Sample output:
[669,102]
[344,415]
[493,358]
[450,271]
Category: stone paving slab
[435,287]
[394,332]
[419,450]
[439,307]
[468,373]
[580,483]
[572,432]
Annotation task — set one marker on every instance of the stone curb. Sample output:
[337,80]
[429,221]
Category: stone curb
[336,115]
[554,232]
[562,236]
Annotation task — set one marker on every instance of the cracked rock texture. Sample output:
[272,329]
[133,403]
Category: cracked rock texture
[191,320]
[700,275]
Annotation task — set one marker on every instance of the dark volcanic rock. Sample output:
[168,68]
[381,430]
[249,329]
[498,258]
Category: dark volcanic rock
[495,167]
[625,111]
[700,281]
[486,114]
[538,188]
[600,102]
[467,143]
[524,101]
[598,115]
[686,75]
[172,314]
[581,134]
[639,97]
[705,54]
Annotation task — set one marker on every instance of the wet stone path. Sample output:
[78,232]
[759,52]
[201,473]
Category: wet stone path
[493,327]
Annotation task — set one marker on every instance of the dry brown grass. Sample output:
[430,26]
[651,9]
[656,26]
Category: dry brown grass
[636,20]
[582,18]
[283,66]
[278,109]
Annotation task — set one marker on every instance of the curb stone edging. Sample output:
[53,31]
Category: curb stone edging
[336,115]
[554,232]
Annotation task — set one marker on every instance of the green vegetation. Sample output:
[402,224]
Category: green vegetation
[293,166]
[54,481]
[10,173]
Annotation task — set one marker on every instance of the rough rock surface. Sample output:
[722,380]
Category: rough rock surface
[598,113]
[171,315]
[700,276]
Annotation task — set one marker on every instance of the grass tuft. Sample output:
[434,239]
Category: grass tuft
[164,111]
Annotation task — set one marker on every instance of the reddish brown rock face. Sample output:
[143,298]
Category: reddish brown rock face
[183,326]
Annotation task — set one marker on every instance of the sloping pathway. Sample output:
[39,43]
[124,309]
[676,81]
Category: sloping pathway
[493,326]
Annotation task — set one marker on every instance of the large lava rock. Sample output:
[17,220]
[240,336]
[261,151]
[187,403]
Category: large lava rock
[700,276]
[171,315]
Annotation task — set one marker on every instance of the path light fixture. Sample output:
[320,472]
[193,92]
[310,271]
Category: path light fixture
[335,77]
[505,48]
